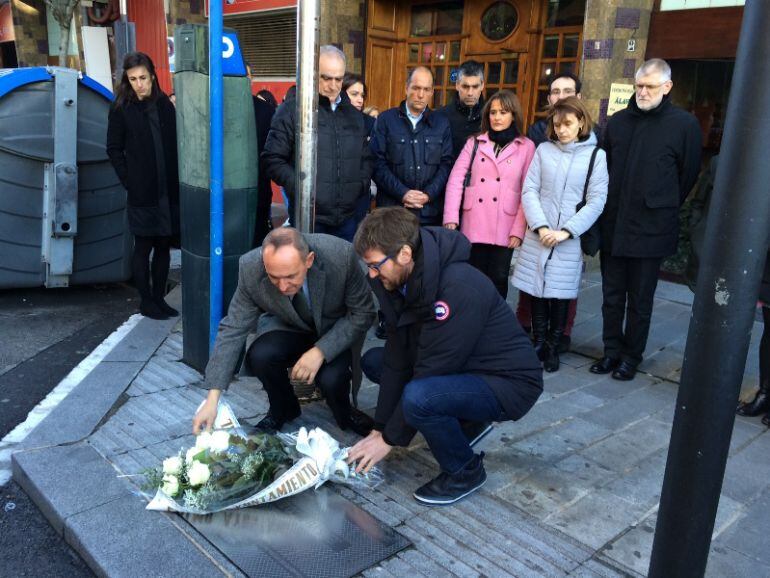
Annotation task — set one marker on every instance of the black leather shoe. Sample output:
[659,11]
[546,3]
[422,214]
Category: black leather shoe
[551,358]
[165,307]
[604,365]
[624,372]
[359,422]
[150,309]
[760,403]
[766,420]
[475,431]
[269,424]
[272,424]
[447,488]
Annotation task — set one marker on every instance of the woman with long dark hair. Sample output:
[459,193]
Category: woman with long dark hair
[495,164]
[141,144]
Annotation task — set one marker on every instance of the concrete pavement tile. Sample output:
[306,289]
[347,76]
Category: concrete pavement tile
[597,569]
[674,292]
[611,389]
[642,484]
[748,471]
[121,538]
[80,412]
[633,548]
[545,492]
[142,341]
[744,432]
[724,561]
[575,360]
[618,413]
[66,480]
[597,518]
[630,446]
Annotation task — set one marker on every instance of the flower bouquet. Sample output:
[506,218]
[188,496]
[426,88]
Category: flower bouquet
[227,469]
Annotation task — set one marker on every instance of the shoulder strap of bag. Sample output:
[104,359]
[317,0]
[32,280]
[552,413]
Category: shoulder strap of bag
[467,180]
[590,170]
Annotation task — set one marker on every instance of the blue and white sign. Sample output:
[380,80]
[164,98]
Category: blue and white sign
[232,58]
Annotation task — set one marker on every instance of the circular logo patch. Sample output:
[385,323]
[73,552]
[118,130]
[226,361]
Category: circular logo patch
[441,309]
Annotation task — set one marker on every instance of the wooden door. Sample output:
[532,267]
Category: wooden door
[504,36]
[384,71]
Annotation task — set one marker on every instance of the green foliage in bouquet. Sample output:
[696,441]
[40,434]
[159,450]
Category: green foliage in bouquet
[221,469]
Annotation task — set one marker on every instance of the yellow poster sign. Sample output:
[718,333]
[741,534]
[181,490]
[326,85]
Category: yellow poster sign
[620,94]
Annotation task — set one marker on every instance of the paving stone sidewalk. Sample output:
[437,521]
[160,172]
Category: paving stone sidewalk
[573,487]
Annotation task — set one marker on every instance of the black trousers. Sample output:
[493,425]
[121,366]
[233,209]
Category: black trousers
[495,262]
[270,358]
[143,271]
[628,289]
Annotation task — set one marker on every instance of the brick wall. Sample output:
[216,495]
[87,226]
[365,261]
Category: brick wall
[609,25]
[31,29]
[342,24]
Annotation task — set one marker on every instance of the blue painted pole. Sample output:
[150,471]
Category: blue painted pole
[216,143]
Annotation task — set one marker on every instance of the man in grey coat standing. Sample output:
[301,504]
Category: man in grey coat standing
[306,299]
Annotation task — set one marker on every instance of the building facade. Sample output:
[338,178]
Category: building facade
[520,42]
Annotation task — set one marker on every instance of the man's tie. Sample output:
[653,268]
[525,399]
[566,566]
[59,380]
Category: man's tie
[302,307]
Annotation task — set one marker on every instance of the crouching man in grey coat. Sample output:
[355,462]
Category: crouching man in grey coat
[306,299]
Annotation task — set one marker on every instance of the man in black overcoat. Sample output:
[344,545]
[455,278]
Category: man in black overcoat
[653,154]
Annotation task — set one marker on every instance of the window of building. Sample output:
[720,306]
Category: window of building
[435,37]
[499,21]
[268,42]
[565,13]
[437,19]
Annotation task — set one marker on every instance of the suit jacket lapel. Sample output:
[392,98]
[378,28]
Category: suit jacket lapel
[316,283]
[282,304]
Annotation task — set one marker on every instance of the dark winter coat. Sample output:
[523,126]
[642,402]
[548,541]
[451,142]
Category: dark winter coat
[654,160]
[451,320]
[344,159]
[131,149]
[409,158]
[463,120]
[263,114]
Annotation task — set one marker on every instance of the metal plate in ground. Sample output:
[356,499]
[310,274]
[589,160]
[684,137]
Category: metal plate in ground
[314,534]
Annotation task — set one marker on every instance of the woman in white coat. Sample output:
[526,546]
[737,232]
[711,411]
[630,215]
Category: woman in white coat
[550,261]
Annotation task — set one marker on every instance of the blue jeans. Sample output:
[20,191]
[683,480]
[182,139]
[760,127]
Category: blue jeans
[346,230]
[435,405]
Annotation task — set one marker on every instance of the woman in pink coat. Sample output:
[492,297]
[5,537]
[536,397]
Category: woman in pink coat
[492,217]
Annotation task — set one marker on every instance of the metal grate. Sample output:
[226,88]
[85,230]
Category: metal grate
[316,534]
[268,42]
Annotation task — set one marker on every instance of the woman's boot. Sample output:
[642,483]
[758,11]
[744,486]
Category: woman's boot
[539,308]
[558,321]
[760,403]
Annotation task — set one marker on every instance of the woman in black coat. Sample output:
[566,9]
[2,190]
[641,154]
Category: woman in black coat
[141,144]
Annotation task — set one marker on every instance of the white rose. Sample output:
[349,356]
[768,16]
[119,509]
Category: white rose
[220,441]
[170,485]
[172,465]
[198,474]
[191,453]
[203,441]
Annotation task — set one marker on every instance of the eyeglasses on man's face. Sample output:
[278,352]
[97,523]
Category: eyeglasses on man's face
[376,266]
[650,87]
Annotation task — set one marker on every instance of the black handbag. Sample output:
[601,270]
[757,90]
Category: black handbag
[590,240]
[467,180]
